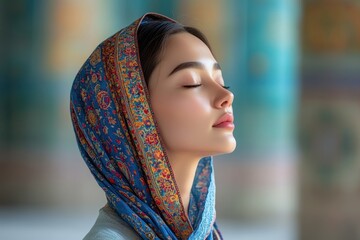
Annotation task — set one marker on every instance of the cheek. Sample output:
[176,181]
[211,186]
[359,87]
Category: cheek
[182,115]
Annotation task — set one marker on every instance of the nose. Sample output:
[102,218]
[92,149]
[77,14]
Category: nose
[224,98]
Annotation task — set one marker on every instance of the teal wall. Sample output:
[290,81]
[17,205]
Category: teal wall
[265,75]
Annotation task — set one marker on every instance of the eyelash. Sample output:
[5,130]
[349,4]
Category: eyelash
[198,85]
[192,86]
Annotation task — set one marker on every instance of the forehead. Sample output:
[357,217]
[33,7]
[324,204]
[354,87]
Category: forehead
[184,46]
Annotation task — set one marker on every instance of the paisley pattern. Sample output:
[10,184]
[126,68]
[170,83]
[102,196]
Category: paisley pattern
[119,140]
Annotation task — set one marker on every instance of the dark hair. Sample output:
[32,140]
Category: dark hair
[151,37]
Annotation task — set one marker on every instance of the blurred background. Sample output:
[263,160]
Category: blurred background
[294,67]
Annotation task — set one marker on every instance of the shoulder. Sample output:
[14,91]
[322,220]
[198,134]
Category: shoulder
[109,225]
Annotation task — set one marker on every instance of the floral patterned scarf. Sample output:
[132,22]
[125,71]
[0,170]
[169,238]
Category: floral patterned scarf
[119,140]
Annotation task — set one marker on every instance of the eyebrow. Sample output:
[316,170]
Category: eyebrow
[198,65]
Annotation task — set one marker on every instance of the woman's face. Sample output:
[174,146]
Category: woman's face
[186,115]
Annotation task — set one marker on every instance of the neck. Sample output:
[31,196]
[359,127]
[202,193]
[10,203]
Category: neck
[184,168]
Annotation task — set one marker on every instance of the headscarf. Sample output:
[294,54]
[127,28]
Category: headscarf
[119,140]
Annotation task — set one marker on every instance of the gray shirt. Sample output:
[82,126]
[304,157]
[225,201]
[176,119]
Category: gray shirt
[109,226]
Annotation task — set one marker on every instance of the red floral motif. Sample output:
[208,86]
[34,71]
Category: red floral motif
[132,74]
[151,138]
[130,51]
[140,88]
[166,173]
[157,201]
[103,100]
[146,111]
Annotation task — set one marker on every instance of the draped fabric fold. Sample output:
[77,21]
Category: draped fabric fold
[119,140]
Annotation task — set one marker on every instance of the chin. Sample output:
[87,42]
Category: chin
[228,148]
[230,145]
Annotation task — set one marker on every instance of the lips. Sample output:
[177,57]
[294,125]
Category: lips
[226,120]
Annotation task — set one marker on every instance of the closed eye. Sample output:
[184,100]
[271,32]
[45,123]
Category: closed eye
[198,85]
[192,86]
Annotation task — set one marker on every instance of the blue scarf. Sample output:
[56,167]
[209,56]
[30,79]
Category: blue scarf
[119,140]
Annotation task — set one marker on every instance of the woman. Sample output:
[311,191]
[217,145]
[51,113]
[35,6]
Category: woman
[149,109]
